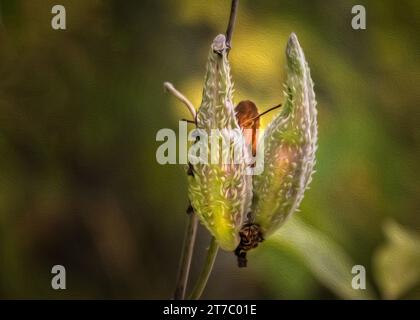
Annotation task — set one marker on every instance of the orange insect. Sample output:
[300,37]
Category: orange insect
[248,118]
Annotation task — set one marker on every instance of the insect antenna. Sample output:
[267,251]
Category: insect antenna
[187,120]
[261,114]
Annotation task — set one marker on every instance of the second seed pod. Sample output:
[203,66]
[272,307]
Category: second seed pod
[220,193]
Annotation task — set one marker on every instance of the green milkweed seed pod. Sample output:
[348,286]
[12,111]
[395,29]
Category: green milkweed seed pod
[220,193]
[289,155]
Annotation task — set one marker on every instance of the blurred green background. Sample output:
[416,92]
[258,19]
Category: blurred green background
[79,112]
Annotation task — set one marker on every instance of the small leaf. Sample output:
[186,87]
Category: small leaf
[397,262]
[328,262]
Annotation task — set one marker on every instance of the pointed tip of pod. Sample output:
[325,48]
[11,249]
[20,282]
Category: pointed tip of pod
[292,44]
[219,43]
[293,39]
[294,53]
